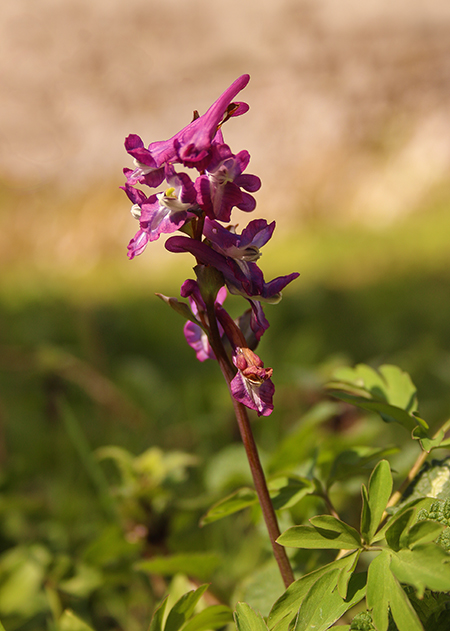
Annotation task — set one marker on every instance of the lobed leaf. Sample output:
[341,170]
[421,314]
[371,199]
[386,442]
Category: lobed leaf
[384,593]
[425,566]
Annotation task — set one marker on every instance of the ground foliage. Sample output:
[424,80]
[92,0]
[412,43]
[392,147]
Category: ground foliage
[116,445]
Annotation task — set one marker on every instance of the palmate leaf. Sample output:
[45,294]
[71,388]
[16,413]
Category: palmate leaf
[390,392]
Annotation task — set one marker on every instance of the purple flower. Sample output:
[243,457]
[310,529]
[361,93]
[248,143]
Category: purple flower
[220,189]
[194,334]
[191,146]
[248,282]
[162,213]
[243,247]
[251,385]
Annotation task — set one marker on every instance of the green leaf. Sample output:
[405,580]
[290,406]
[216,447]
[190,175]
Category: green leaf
[427,443]
[378,494]
[212,617]
[156,623]
[286,491]
[323,605]
[424,531]
[390,392]
[346,572]
[384,593]
[355,461]
[326,532]
[242,498]
[425,566]
[286,607]
[396,533]
[247,619]
[183,609]
[70,622]
[198,565]
[416,503]
[2,628]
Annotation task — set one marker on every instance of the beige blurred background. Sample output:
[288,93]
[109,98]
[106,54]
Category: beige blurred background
[349,119]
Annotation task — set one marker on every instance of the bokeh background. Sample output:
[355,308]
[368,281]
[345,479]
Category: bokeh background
[349,129]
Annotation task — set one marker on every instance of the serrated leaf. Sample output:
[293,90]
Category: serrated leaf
[286,491]
[212,617]
[156,623]
[240,499]
[326,532]
[247,619]
[426,566]
[286,607]
[198,565]
[183,609]
[323,605]
[384,593]
[378,494]
[424,531]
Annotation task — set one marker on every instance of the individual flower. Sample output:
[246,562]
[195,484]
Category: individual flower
[191,146]
[244,247]
[162,213]
[248,283]
[194,334]
[252,385]
[220,189]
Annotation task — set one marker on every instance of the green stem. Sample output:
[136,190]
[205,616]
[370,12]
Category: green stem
[251,449]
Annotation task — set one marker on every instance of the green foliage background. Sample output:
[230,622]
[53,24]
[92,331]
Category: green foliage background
[95,361]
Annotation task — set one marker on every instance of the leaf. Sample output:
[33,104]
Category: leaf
[377,497]
[346,572]
[424,531]
[354,461]
[390,392]
[416,503]
[285,608]
[181,308]
[395,533]
[70,622]
[425,566]
[323,605]
[326,532]
[242,498]
[156,623]
[247,619]
[212,617]
[384,593]
[183,609]
[286,491]
[198,565]
[427,443]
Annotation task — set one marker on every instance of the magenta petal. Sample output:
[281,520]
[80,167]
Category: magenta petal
[258,398]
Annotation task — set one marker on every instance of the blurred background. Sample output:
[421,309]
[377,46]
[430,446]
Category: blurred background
[349,129]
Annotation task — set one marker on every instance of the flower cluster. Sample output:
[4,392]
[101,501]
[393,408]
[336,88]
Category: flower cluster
[199,206]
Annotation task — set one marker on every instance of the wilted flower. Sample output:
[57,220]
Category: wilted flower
[251,385]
